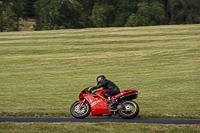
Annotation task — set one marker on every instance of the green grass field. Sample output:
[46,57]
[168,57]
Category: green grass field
[42,72]
[95,128]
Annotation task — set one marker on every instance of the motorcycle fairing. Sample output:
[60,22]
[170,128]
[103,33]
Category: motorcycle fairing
[97,104]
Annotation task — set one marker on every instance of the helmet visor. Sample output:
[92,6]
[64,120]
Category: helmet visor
[99,80]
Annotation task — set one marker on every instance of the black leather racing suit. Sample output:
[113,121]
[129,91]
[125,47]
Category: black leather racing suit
[107,84]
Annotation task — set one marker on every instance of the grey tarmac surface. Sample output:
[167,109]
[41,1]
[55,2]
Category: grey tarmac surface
[95,120]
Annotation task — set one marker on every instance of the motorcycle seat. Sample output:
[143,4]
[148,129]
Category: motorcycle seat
[124,92]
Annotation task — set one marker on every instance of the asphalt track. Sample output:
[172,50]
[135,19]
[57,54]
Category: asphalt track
[95,120]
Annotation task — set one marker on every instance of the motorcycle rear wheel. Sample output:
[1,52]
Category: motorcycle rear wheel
[131,110]
[79,113]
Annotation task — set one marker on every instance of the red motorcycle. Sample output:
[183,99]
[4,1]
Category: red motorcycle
[98,104]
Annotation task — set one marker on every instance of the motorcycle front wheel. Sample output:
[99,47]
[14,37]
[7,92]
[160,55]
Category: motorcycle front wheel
[130,109]
[78,112]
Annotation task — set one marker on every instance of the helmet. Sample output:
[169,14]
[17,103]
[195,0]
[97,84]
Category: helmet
[100,78]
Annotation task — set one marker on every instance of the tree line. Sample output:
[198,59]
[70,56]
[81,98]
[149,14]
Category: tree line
[68,14]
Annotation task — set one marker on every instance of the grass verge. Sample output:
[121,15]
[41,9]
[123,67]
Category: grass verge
[42,72]
[95,128]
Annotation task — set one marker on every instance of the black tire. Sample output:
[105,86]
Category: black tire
[80,113]
[130,111]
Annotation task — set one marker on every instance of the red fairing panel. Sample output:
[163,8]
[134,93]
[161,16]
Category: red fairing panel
[98,104]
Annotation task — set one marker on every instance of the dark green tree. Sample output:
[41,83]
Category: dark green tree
[46,14]
[58,14]
[55,14]
[134,20]
[147,14]
[123,9]
[30,8]
[71,14]
[157,13]
[102,15]
[11,12]
[190,11]
[174,7]
[8,17]
[87,7]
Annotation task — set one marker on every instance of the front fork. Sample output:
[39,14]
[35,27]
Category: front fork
[81,106]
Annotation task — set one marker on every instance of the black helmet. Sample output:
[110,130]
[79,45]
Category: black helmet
[100,78]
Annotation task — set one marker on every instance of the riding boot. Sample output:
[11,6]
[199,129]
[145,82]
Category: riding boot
[113,101]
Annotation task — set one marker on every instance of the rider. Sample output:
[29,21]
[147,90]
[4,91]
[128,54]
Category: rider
[106,84]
